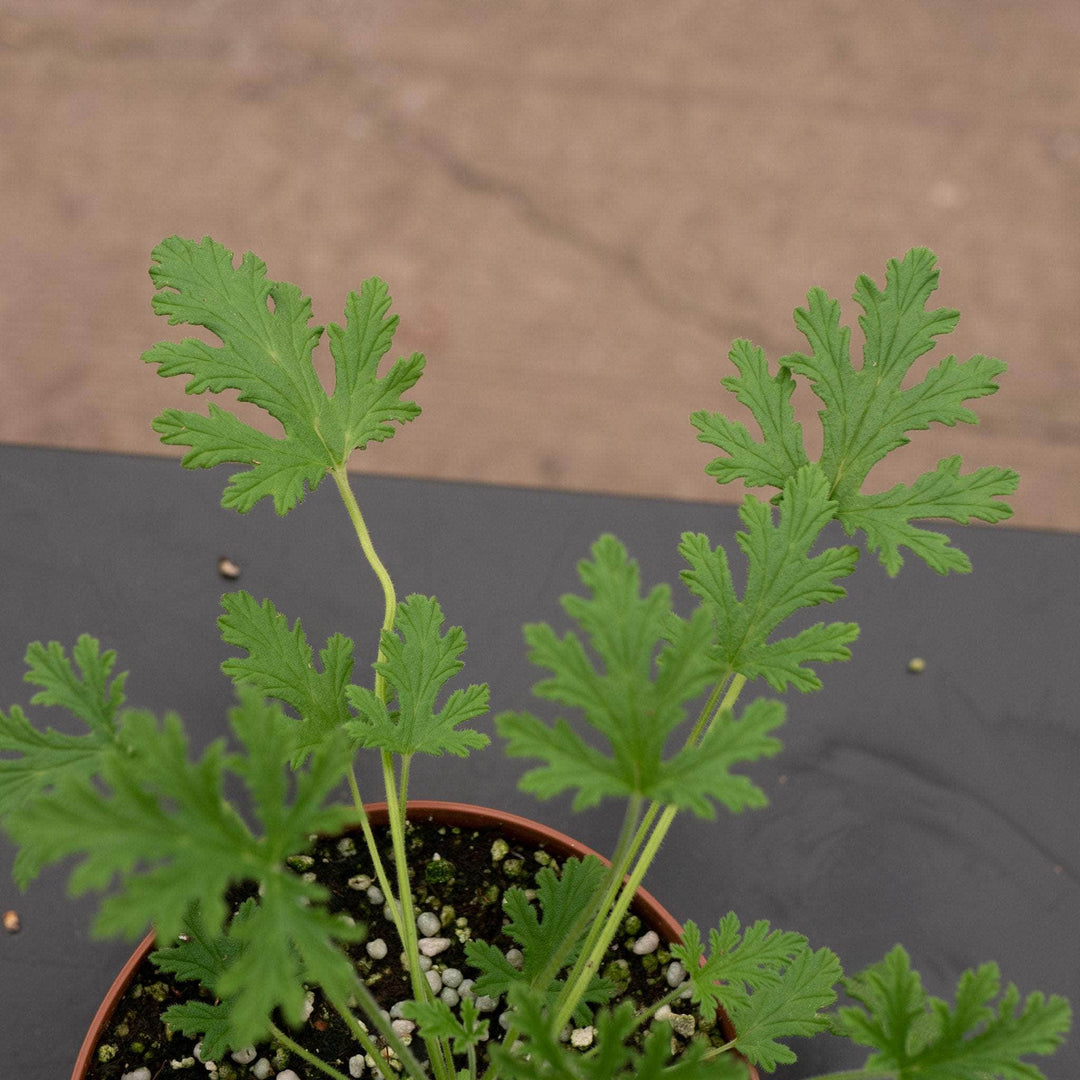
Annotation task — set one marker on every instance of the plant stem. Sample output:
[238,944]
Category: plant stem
[300,1051]
[583,971]
[341,478]
[371,1009]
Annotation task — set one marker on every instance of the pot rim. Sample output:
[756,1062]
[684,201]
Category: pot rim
[452,813]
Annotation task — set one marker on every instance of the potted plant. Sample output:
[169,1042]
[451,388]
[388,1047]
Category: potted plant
[223,874]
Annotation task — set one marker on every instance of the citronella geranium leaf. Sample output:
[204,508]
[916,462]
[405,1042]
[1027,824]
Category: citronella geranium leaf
[438,1022]
[736,962]
[868,412]
[780,454]
[541,932]
[418,659]
[265,354]
[541,1056]
[46,758]
[782,577]
[159,836]
[789,1008]
[280,665]
[917,1036]
[886,517]
[650,663]
[205,1020]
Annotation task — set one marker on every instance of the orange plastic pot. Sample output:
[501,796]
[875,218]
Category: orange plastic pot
[651,912]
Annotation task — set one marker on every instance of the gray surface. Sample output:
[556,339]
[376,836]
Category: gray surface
[937,810]
[577,205]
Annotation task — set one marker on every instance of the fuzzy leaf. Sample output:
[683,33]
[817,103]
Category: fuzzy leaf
[791,1007]
[160,837]
[279,665]
[418,659]
[782,577]
[867,414]
[438,1022]
[540,1055]
[921,1038]
[44,758]
[650,663]
[542,932]
[265,353]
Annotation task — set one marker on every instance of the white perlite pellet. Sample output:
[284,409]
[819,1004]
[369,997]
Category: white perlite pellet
[428,923]
[448,995]
[582,1038]
[287,1074]
[356,1065]
[375,894]
[262,1069]
[141,1073]
[675,974]
[647,943]
[452,977]
[403,1027]
[432,946]
[515,958]
[485,1003]
[376,949]
[434,980]
[244,1056]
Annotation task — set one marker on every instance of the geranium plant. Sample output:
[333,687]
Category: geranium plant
[167,840]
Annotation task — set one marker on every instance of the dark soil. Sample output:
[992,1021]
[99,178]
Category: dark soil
[455,875]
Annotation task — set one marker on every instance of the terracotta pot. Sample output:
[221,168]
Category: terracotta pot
[646,906]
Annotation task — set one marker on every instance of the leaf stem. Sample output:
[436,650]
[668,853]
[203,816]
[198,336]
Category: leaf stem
[341,478]
[584,970]
[302,1052]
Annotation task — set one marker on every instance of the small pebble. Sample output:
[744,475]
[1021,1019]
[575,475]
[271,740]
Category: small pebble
[432,946]
[647,943]
[11,922]
[428,923]
[582,1038]
[227,568]
[675,974]
[376,949]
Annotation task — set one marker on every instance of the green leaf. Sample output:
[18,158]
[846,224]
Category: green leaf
[868,413]
[770,982]
[438,1022]
[44,758]
[208,1022]
[921,1038]
[160,836]
[279,665]
[780,454]
[265,353]
[650,664]
[791,1007]
[540,1055]
[782,577]
[418,659]
[541,932]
